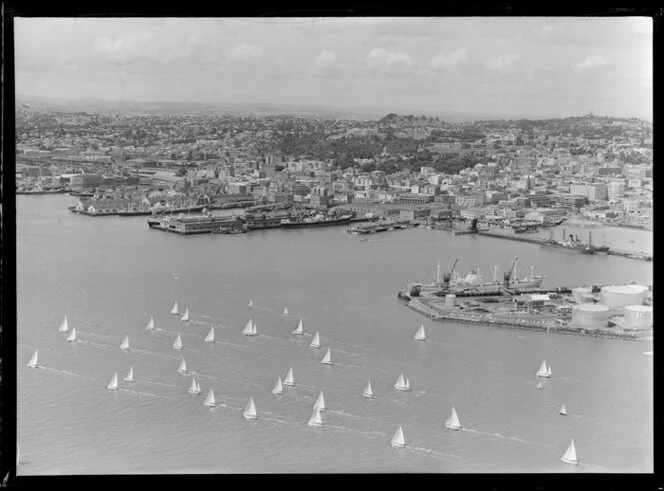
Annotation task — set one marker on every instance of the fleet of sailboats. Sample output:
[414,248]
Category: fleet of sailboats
[569,457]
[72,335]
[209,400]
[174,310]
[278,387]
[250,410]
[327,359]
[299,329]
[398,440]
[452,422]
[33,361]
[185,316]
[419,335]
[130,375]
[125,343]
[64,326]
[368,393]
[315,342]
[210,336]
[177,344]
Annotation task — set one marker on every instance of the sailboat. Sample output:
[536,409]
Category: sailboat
[33,361]
[539,385]
[419,335]
[130,375]
[113,384]
[315,343]
[563,411]
[210,336]
[452,422]
[285,311]
[569,457]
[64,326]
[183,367]
[315,419]
[150,326]
[548,371]
[251,303]
[407,383]
[278,387]
[198,388]
[185,317]
[327,359]
[125,343]
[209,400]
[400,384]
[289,378]
[177,344]
[174,310]
[320,402]
[72,335]
[398,440]
[299,329]
[249,329]
[250,410]
[543,372]
[194,389]
[367,391]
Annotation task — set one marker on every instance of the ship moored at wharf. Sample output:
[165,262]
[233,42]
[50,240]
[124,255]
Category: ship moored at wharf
[203,224]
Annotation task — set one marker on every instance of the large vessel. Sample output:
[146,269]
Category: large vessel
[571,245]
[257,221]
[315,221]
[203,224]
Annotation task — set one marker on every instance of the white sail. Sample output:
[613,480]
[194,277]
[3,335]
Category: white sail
[570,455]
[539,385]
[125,343]
[248,328]
[33,361]
[177,344]
[198,387]
[130,375]
[250,410]
[367,390]
[183,367]
[193,388]
[299,329]
[251,303]
[285,311]
[548,371]
[398,440]
[315,419]
[113,384]
[315,343]
[289,378]
[327,359]
[209,400]
[400,384]
[72,335]
[542,372]
[254,330]
[419,335]
[174,310]
[320,402]
[278,387]
[407,384]
[452,422]
[64,325]
[563,410]
[210,336]
[150,326]
[185,317]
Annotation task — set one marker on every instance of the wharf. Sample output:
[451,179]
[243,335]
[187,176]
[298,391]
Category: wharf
[383,226]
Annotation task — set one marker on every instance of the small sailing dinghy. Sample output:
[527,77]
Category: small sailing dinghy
[327,359]
[33,361]
[400,384]
[174,310]
[368,393]
[177,344]
[209,400]
[289,378]
[419,335]
[278,387]
[130,375]
[315,343]
[183,367]
[542,372]
[285,311]
[72,336]
[569,457]
[249,328]
[150,326]
[250,410]
[113,384]
[125,343]
[210,336]
[315,419]
[185,317]
[320,402]
[194,388]
[64,325]
[452,422]
[563,410]
[398,440]
[299,329]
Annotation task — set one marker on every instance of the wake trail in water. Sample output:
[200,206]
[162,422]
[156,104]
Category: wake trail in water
[504,437]
[346,365]
[230,344]
[94,334]
[264,309]
[595,467]
[152,353]
[144,394]
[344,429]
[280,421]
[202,375]
[343,413]
[97,345]
[427,452]
[446,345]
[140,381]
[65,372]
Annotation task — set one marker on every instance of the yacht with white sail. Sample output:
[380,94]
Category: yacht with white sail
[64,325]
[249,328]
[452,422]
[150,326]
[194,388]
[125,343]
[289,378]
[419,335]
[177,344]
[185,316]
[327,359]
[72,336]
[299,329]
[210,336]
[315,419]
[33,361]
[368,393]
[130,375]
[543,371]
[183,367]
[113,384]
[174,310]
[563,410]
[209,400]
[250,410]
[398,441]
[285,311]
[278,387]
[569,457]
[400,384]
[315,342]
[320,402]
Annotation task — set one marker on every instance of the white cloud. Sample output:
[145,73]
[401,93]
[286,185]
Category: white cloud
[246,54]
[389,62]
[326,58]
[504,63]
[592,62]
[452,60]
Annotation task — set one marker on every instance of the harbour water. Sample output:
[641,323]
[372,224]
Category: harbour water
[110,275]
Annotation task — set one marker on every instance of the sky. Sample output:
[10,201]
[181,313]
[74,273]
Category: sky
[532,66]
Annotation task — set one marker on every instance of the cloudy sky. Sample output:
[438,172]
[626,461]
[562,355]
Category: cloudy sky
[553,66]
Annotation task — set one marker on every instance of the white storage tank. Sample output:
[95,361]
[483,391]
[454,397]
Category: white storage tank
[582,294]
[590,315]
[450,300]
[623,295]
[638,316]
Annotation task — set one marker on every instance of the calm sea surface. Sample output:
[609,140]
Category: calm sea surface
[110,275]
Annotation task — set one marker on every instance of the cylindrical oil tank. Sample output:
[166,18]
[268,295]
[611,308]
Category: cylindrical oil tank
[638,316]
[582,294]
[619,296]
[450,300]
[590,315]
